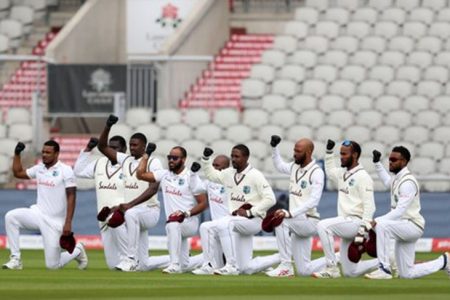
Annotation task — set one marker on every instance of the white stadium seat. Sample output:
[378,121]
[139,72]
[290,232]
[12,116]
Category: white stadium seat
[274,58]
[381,4]
[164,147]
[287,44]
[301,103]
[262,72]
[373,145]
[335,58]
[353,73]
[416,134]
[409,73]
[21,131]
[253,88]
[273,102]
[255,117]
[393,14]
[369,118]
[121,129]
[3,130]
[399,88]
[258,148]
[208,132]
[331,103]
[166,117]
[350,5]
[238,133]
[4,8]
[23,14]
[326,132]
[8,145]
[368,59]
[196,116]
[4,44]
[387,134]
[441,104]
[428,118]
[429,89]
[343,88]
[304,58]
[340,118]
[431,149]
[392,58]
[152,131]
[358,133]
[268,130]
[435,5]
[316,88]
[297,132]
[420,59]
[12,29]
[348,44]
[313,118]
[338,15]
[325,73]
[358,29]
[414,29]
[225,117]
[320,5]
[39,7]
[382,73]
[422,166]
[440,30]
[436,73]
[385,29]
[422,14]
[327,29]
[387,103]
[442,134]
[414,104]
[429,44]
[375,44]
[297,29]
[443,15]
[283,118]
[284,87]
[18,115]
[307,15]
[402,44]
[444,166]
[137,116]
[194,147]
[359,103]
[407,5]
[365,14]
[371,88]
[178,132]
[316,43]
[398,118]
[222,147]
[292,72]
[442,59]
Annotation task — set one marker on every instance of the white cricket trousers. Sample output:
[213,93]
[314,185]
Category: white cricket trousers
[33,219]
[405,234]
[294,239]
[178,245]
[236,237]
[346,228]
[212,250]
[138,220]
[114,245]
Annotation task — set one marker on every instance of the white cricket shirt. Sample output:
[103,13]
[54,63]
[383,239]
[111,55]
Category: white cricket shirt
[217,199]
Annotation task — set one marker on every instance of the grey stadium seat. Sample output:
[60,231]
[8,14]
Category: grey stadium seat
[422,14]
[178,132]
[238,133]
[325,73]
[313,118]
[340,118]
[252,88]
[284,87]
[292,72]
[301,103]
[382,73]
[353,73]
[441,103]
[387,103]
[222,147]
[442,134]
[166,117]
[259,149]
[326,132]
[365,14]
[196,116]
[428,118]
[369,118]
[409,73]
[304,58]
[164,147]
[225,117]
[273,102]
[262,72]
[297,132]
[22,132]
[422,166]
[274,58]
[335,58]
[343,88]
[398,118]
[269,130]
[357,133]
[121,129]
[284,118]
[414,104]
[287,43]
[331,103]
[255,117]
[431,149]
[208,133]
[393,14]
[308,15]
[359,103]
[387,134]
[416,134]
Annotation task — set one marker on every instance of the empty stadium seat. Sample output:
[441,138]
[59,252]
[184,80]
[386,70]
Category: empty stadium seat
[4,168]
[267,131]
[398,118]
[194,147]
[7,146]
[422,14]
[22,132]
[18,115]
[326,73]
[284,87]
[429,44]
[414,104]
[420,59]
[14,30]
[358,29]
[368,59]
[137,116]
[422,166]
[274,58]
[316,88]
[196,116]
[436,73]
[273,102]
[369,146]
[255,117]
[338,15]
[435,5]
[297,132]
[387,134]
[402,44]
[288,44]
[380,5]
[3,131]
[329,103]
[304,58]
[292,72]
[369,118]
[375,44]
[387,103]
[301,103]
[164,147]
[222,147]
[444,166]
[399,88]
[208,132]
[238,133]
[152,131]
[348,44]
[166,117]
[283,118]
[386,30]
[371,88]
[440,30]
[327,29]
[343,88]
[429,89]
[382,73]
[416,134]
[335,58]
[441,134]
[319,5]
[359,103]
[313,118]
[365,14]
[340,118]
[350,5]
[409,73]
[428,118]
[326,132]
[316,43]
[353,73]
[262,72]
[253,88]
[297,29]
[414,29]
[441,104]
[443,15]
[258,148]
[307,15]
[358,133]
[178,132]
[392,58]
[393,14]
[4,44]
[225,117]
[432,150]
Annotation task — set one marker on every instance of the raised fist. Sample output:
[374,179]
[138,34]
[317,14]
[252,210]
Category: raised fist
[195,167]
[112,119]
[19,148]
[93,142]
[330,144]
[376,156]
[207,152]
[151,147]
[274,140]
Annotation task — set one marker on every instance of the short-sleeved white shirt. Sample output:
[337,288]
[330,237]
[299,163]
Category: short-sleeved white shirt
[179,190]
[217,199]
[51,188]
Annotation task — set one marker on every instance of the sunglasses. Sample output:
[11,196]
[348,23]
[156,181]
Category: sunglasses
[346,143]
[173,157]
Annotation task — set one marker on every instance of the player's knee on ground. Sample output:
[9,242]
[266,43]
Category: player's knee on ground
[52,265]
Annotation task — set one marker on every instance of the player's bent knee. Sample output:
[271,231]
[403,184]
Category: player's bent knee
[52,265]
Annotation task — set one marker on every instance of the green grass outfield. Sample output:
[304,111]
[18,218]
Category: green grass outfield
[97,282]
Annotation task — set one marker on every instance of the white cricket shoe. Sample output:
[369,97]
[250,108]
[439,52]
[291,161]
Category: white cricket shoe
[206,269]
[378,274]
[227,270]
[82,258]
[172,269]
[283,270]
[328,272]
[14,263]
[129,264]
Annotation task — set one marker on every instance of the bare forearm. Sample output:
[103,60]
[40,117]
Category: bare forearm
[202,204]
[17,168]
[71,202]
[147,194]
[141,172]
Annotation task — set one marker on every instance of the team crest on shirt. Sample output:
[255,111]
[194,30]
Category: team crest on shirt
[246,189]
[303,184]
[55,173]
[180,181]
[351,182]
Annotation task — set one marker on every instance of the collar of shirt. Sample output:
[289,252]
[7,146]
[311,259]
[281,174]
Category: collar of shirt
[353,171]
[307,167]
[58,163]
[402,173]
[182,173]
[244,172]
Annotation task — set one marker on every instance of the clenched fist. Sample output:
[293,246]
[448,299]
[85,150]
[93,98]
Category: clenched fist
[376,156]
[195,167]
[151,147]
[274,140]
[19,148]
[112,119]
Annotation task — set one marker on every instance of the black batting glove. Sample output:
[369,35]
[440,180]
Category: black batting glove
[19,148]
[376,156]
[93,142]
[330,145]
[195,167]
[112,119]
[274,140]
[151,147]
[207,152]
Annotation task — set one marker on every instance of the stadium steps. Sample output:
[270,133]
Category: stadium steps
[220,84]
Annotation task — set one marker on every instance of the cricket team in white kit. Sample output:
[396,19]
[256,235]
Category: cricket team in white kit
[239,198]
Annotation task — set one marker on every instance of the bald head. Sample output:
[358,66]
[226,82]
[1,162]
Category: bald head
[303,152]
[221,162]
